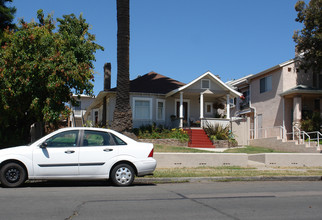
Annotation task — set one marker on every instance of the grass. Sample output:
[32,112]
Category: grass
[246,149]
[252,150]
[234,172]
[176,149]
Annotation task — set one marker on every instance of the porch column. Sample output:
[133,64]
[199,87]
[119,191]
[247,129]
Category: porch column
[297,110]
[181,110]
[228,107]
[201,106]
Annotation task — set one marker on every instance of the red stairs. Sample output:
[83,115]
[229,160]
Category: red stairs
[199,139]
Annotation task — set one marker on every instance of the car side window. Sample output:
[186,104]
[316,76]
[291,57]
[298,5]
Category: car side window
[97,138]
[64,139]
[117,140]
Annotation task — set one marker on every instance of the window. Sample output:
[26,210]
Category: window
[64,139]
[117,140]
[142,108]
[266,84]
[98,138]
[205,84]
[78,105]
[160,109]
[208,108]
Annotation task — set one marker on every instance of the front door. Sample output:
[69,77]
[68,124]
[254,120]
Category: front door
[59,157]
[185,111]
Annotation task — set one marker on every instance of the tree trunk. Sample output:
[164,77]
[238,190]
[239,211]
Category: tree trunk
[122,119]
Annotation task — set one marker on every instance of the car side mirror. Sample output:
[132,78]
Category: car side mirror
[44,145]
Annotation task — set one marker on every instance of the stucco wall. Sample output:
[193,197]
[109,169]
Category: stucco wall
[268,104]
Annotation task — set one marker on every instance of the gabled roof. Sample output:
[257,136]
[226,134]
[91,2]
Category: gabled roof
[215,78]
[153,83]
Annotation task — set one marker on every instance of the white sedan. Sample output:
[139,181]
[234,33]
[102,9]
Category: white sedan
[78,153]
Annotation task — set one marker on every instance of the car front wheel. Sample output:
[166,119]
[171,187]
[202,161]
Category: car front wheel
[12,175]
[122,175]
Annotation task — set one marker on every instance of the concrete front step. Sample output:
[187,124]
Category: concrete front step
[278,144]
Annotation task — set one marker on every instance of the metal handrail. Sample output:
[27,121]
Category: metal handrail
[317,139]
[281,131]
[303,133]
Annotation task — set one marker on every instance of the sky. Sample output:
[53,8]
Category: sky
[183,39]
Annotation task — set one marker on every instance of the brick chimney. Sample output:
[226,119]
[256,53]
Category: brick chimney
[107,76]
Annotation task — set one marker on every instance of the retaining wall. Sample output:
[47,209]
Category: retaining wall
[288,159]
[173,160]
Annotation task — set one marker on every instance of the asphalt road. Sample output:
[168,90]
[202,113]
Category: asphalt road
[205,200]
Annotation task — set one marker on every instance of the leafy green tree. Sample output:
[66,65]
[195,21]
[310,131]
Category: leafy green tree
[122,119]
[309,39]
[6,16]
[39,70]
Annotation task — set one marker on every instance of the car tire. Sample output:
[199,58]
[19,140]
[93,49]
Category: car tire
[122,175]
[12,175]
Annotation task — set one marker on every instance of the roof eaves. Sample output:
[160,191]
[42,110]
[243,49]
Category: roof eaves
[272,68]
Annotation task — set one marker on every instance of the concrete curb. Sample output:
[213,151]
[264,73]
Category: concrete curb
[227,179]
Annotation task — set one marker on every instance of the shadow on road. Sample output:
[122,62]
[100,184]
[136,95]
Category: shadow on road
[77,183]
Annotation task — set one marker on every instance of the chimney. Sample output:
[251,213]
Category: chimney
[107,76]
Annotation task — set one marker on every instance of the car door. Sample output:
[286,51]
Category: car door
[97,152]
[58,155]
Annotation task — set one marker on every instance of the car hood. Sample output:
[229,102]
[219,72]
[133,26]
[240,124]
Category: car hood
[14,150]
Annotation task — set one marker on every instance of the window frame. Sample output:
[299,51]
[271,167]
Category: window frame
[205,80]
[134,107]
[157,110]
[59,135]
[267,84]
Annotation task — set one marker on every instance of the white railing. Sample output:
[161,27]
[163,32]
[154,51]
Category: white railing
[300,135]
[213,121]
[79,113]
[317,136]
[276,131]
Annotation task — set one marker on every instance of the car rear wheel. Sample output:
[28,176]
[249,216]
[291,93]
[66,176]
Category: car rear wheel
[12,175]
[122,175]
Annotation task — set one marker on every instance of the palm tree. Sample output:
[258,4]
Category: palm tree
[122,119]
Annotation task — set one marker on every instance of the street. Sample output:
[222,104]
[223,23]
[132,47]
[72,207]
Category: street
[205,200]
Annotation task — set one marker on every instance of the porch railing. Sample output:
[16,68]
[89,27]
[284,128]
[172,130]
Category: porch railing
[213,121]
[276,131]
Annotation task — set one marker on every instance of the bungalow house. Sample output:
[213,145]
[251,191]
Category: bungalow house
[277,99]
[155,98]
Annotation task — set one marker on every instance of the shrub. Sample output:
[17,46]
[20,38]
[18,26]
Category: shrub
[159,132]
[312,123]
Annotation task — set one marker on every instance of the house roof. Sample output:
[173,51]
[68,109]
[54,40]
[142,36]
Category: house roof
[153,82]
[244,79]
[301,89]
[215,78]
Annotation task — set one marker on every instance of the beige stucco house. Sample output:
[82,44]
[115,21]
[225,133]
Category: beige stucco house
[278,98]
[158,99]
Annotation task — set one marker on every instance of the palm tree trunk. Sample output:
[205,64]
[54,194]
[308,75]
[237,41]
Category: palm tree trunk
[122,119]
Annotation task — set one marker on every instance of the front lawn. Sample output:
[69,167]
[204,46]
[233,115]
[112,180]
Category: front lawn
[246,149]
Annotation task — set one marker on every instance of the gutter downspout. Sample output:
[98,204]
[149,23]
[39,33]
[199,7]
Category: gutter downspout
[255,112]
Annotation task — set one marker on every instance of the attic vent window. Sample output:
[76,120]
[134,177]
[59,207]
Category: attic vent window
[205,84]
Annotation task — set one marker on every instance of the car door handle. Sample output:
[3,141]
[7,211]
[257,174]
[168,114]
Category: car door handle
[69,151]
[107,150]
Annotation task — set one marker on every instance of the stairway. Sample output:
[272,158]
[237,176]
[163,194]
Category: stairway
[199,139]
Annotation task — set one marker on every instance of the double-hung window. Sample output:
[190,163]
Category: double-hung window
[266,84]
[160,108]
[142,108]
